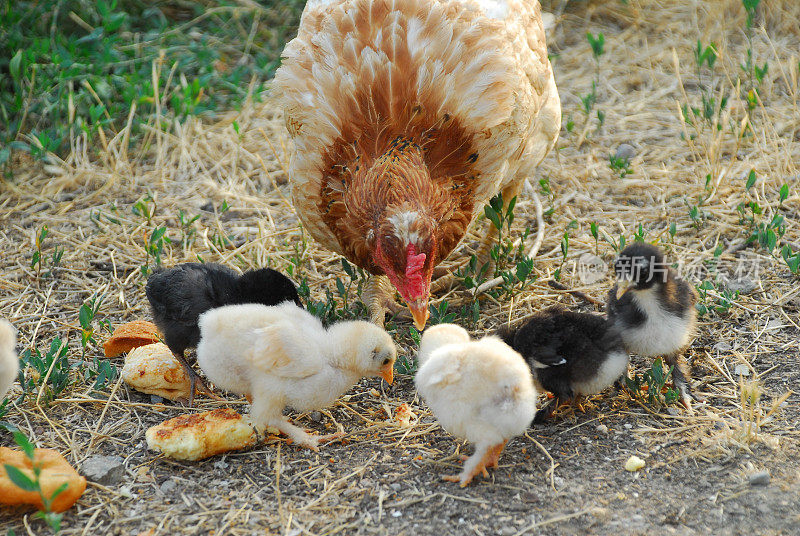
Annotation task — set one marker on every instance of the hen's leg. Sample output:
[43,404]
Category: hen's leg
[379,297]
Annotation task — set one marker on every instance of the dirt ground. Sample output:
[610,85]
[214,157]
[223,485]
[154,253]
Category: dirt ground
[566,477]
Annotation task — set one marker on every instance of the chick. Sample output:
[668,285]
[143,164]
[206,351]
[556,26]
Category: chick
[481,391]
[569,353]
[283,356]
[9,362]
[654,310]
[179,295]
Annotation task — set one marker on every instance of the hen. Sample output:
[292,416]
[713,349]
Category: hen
[407,116]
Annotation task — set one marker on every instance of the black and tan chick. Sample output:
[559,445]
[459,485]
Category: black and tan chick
[654,310]
[569,353]
[179,295]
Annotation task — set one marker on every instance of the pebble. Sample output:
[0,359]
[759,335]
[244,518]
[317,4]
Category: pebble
[507,530]
[168,486]
[221,464]
[633,464]
[760,478]
[602,428]
[626,151]
[105,470]
[744,285]
[155,399]
[315,416]
[673,411]
[741,370]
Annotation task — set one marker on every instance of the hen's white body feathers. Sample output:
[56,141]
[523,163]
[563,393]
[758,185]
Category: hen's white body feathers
[9,362]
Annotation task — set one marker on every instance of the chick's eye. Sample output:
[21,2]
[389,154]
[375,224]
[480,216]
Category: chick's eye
[386,361]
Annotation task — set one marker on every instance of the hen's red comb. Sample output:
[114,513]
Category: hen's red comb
[414,263]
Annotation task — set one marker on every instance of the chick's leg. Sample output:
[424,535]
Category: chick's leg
[379,297]
[680,375]
[196,383]
[485,456]
[266,410]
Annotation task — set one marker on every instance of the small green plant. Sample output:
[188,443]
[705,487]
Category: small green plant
[154,248]
[36,258]
[440,315]
[409,364]
[594,229]
[510,262]
[103,372]
[573,224]
[650,387]
[51,369]
[24,482]
[344,308]
[547,192]
[589,100]
[145,208]
[719,304]
[188,232]
[620,165]
[791,259]
[755,74]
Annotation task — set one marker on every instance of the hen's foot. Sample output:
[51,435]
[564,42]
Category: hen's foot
[379,298]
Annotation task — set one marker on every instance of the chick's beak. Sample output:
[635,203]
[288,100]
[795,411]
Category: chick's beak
[419,310]
[623,286]
[387,372]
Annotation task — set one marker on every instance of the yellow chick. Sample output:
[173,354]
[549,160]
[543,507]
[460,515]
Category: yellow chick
[9,362]
[481,391]
[282,356]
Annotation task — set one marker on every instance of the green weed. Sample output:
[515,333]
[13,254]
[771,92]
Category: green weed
[50,370]
[650,387]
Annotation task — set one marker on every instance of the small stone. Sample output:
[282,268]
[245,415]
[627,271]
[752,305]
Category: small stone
[673,411]
[628,426]
[168,486]
[761,478]
[723,346]
[507,530]
[744,285]
[625,151]
[105,470]
[602,428]
[741,369]
[155,399]
[220,464]
[633,464]
[315,416]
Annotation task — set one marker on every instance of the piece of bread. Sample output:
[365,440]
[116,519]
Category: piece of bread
[55,472]
[403,415]
[131,335]
[152,369]
[200,435]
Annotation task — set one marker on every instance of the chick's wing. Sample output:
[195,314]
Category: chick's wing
[281,350]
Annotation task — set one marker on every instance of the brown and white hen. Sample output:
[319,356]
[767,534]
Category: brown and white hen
[407,116]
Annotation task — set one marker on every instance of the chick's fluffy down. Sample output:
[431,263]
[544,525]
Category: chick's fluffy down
[481,391]
[9,363]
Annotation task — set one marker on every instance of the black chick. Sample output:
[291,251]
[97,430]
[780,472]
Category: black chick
[569,353]
[654,310]
[179,295]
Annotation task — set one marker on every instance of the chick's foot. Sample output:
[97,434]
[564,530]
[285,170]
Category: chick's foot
[485,456]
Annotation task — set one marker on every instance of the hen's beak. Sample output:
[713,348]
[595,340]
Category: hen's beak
[419,310]
[387,372]
[623,286]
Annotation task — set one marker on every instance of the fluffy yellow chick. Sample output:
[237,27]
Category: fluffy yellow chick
[481,391]
[282,356]
[9,362]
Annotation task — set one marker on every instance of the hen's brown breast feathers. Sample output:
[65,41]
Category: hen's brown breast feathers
[456,97]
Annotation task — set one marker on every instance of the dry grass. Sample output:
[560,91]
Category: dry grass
[373,484]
